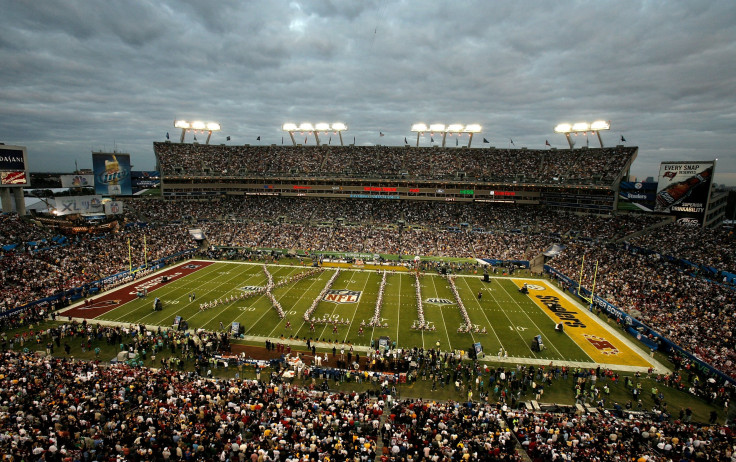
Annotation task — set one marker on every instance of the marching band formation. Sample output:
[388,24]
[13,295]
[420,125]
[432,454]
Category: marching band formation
[421,324]
[267,290]
[308,313]
[376,319]
[468,327]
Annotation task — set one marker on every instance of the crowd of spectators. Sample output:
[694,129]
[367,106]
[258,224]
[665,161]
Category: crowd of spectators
[28,274]
[57,409]
[715,248]
[15,230]
[94,412]
[609,437]
[694,312]
[581,166]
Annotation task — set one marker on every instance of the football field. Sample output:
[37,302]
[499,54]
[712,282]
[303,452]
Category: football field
[341,304]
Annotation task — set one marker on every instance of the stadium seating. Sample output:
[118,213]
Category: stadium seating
[588,166]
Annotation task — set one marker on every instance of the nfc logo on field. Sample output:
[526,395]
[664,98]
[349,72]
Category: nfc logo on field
[342,296]
[439,301]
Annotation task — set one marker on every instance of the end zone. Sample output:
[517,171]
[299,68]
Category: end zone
[601,342]
[93,307]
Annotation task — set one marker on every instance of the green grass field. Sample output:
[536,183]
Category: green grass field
[511,319]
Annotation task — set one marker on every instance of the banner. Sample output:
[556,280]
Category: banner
[683,189]
[112,173]
[113,207]
[79,204]
[77,181]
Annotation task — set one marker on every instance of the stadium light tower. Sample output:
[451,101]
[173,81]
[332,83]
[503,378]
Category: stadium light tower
[337,127]
[583,127]
[209,127]
[445,129]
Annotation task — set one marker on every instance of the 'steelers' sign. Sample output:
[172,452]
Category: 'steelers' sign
[342,296]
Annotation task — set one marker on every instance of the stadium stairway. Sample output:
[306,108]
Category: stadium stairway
[646,230]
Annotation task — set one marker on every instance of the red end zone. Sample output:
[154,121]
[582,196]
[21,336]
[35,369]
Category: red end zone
[110,300]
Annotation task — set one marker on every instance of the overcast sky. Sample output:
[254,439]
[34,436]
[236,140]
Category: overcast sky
[77,76]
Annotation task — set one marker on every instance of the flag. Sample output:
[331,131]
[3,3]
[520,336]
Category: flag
[282,140]
[330,141]
[512,141]
[353,140]
[432,138]
[259,138]
[380,134]
[167,135]
[405,142]
[305,140]
[228,138]
[623,140]
[195,137]
[546,142]
[485,140]
[457,141]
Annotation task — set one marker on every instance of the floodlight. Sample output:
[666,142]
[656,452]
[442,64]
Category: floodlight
[437,127]
[306,127]
[339,127]
[197,125]
[419,128]
[289,127]
[322,127]
[455,128]
[583,127]
[600,125]
[472,128]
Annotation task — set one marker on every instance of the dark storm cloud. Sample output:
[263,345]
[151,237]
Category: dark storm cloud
[81,75]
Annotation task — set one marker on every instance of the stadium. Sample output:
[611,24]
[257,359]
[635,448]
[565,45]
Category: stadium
[366,302]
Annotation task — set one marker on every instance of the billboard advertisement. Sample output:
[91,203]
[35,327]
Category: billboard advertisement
[13,162]
[79,204]
[683,189]
[112,173]
[637,195]
[77,181]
